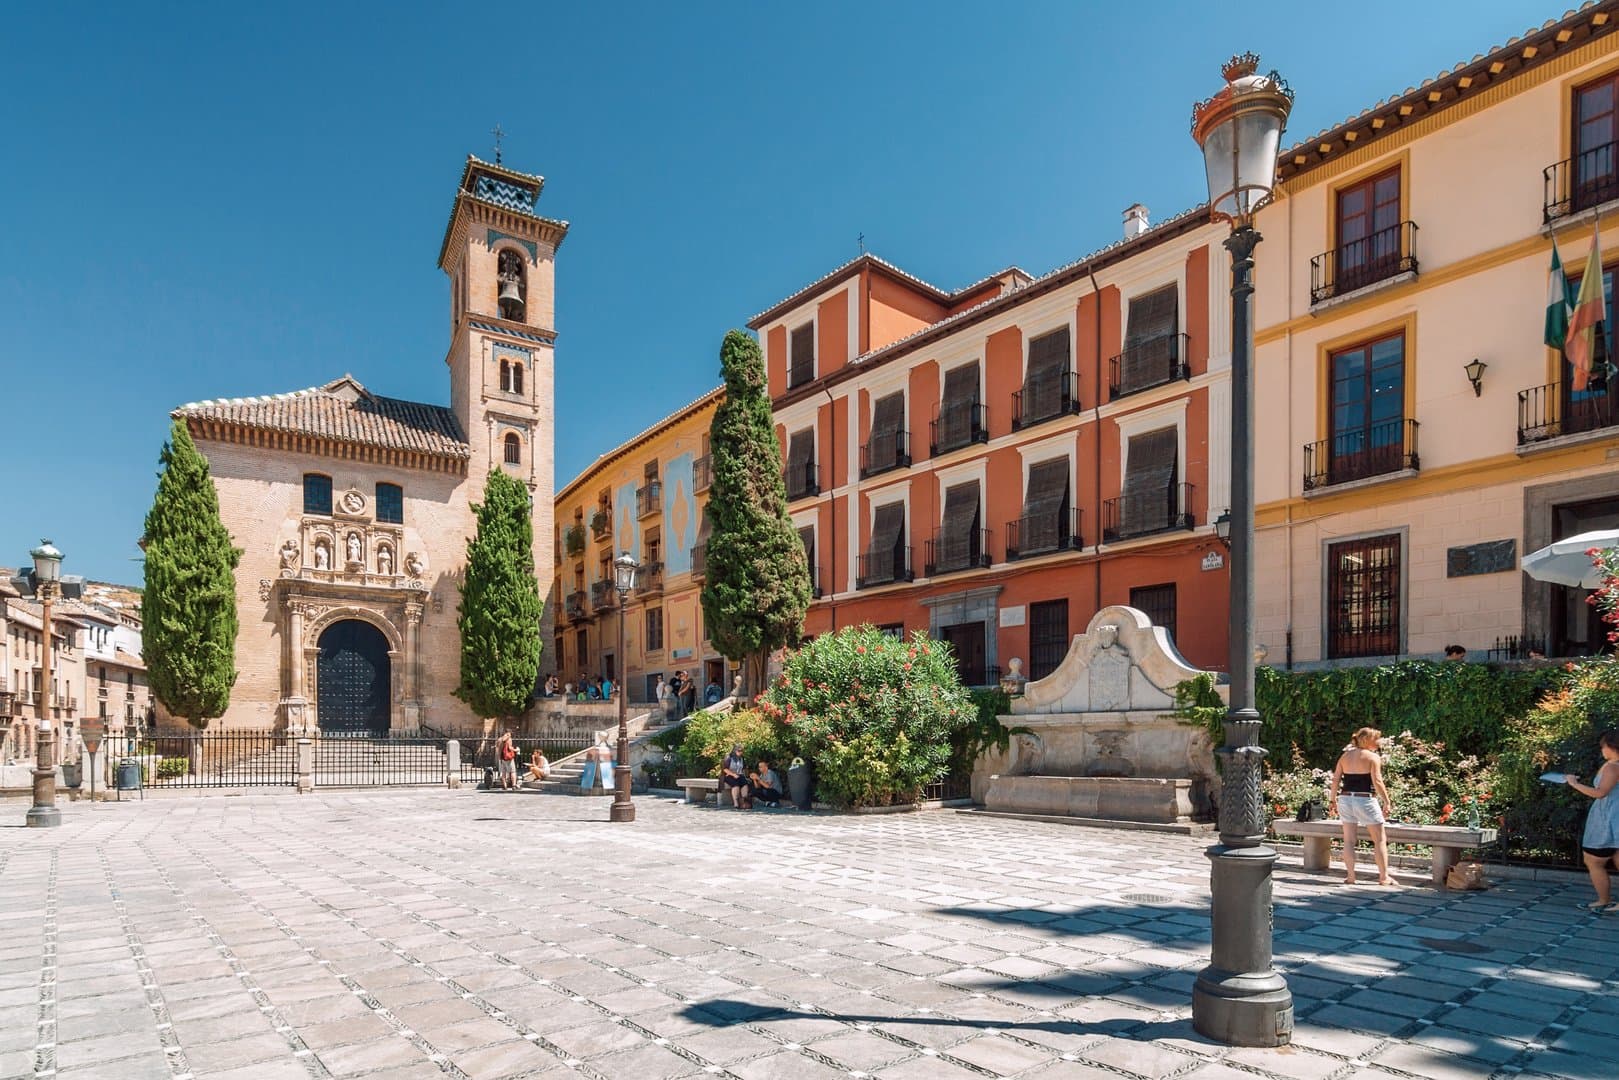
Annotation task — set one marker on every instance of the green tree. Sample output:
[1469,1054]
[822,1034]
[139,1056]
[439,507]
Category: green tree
[188,605]
[758,584]
[500,604]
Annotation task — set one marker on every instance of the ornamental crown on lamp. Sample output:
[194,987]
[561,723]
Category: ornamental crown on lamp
[1240,130]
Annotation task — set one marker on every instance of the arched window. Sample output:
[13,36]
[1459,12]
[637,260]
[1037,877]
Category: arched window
[514,450]
[317,494]
[513,285]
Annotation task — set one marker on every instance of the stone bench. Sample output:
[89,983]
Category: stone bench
[698,787]
[1447,841]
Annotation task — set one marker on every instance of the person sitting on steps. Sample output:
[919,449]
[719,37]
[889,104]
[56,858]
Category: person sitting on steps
[538,767]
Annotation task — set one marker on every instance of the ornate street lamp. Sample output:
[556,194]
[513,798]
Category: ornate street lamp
[624,568]
[1240,998]
[47,574]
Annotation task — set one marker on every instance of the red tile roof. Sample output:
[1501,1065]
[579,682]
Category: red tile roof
[342,411]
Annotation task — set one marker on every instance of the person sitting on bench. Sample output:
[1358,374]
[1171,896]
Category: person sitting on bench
[734,775]
[766,784]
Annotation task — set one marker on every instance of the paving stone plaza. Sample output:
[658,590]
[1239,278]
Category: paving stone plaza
[430,933]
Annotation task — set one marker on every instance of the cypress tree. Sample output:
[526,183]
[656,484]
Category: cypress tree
[758,584]
[500,604]
[188,606]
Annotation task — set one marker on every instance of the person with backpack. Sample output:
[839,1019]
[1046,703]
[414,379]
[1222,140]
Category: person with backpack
[506,761]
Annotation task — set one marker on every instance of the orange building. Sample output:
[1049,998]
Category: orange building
[994,464]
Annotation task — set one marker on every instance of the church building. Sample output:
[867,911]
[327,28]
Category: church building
[353,510]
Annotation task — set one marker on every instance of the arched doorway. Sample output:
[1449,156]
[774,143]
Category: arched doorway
[353,680]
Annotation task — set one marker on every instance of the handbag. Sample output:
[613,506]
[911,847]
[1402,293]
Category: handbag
[1312,810]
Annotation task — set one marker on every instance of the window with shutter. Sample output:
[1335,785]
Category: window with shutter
[958,414]
[699,554]
[1151,342]
[806,536]
[801,464]
[885,560]
[1045,508]
[959,542]
[1046,381]
[884,450]
[1149,482]
[801,368]
[1048,637]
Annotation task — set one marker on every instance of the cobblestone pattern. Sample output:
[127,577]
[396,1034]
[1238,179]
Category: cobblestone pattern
[467,934]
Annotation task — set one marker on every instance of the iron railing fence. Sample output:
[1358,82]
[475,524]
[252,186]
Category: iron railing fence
[960,424]
[1142,514]
[948,554]
[649,499]
[884,452]
[1384,254]
[800,480]
[702,473]
[1586,180]
[1045,397]
[1546,412]
[1042,534]
[951,787]
[1154,362]
[884,568]
[1373,450]
[203,759]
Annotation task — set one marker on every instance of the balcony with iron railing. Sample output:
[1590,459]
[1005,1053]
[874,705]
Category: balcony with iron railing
[1360,264]
[1045,397]
[649,499]
[801,481]
[603,596]
[699,561]
[1554,410]
[1583,182]
[1155,362]
[1129,517]
[884,568]
[649,579]
[885,452]
[702,473]
[952,554]
[958,426]
[573,539]
[575,605]
[815,581]
[1044,534]
[601,522]
[1361,454]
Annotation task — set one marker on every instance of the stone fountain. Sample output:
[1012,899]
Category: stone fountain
[1104,746]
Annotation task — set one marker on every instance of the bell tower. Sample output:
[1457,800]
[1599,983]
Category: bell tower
[500,256]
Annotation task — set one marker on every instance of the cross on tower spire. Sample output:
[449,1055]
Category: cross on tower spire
[498,134]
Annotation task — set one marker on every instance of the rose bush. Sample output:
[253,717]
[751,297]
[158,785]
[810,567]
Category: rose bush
[875,715]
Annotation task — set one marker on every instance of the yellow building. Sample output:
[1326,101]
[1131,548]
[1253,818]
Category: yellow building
[647,497]
[1399,482]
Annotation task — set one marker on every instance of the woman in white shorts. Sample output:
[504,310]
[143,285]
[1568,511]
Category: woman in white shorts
[1361,799]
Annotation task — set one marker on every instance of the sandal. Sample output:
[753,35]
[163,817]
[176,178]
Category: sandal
[1611,909]
[1597,905]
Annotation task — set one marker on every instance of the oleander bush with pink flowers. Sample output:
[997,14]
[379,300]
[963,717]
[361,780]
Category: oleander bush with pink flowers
[876,716]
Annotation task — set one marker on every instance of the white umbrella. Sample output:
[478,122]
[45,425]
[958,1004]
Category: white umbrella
[1566,562]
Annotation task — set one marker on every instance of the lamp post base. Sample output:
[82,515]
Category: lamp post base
[1240,999]
[621,812]
[44,817]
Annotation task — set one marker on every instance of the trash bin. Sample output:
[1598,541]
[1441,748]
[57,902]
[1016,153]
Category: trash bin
[800,785]
[129,775]
[72,775]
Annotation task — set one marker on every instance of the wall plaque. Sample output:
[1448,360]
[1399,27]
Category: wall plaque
[1491,557]
[1012,616]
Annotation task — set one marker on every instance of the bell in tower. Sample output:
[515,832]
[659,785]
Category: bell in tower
[512,286]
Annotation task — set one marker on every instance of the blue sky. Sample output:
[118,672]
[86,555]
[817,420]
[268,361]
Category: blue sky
[224,200]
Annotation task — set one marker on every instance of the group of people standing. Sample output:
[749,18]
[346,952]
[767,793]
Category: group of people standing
[676,696]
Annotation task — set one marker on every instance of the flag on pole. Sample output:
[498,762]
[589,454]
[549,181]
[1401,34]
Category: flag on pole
[1589,310]
[1557,305]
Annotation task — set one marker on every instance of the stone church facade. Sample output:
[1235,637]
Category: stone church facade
[353,509]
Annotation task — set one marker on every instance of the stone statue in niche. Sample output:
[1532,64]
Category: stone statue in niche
[323,554]
[415,565]
[289,558]
[354,547]
[385,561]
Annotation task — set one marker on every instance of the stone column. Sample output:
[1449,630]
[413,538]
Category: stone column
[412,711]
[293,703]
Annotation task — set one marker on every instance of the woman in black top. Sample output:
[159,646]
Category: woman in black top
[1361,799]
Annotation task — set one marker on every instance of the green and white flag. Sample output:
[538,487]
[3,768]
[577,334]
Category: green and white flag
[1557,303]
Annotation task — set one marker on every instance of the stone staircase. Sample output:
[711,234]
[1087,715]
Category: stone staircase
[643,727]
